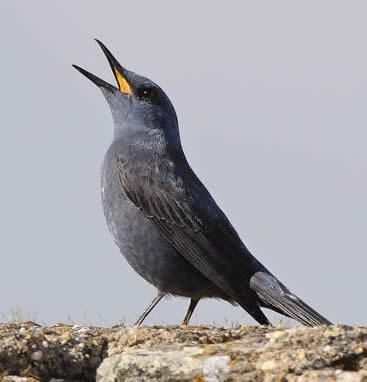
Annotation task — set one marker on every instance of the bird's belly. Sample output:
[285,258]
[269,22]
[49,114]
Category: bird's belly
[150,255]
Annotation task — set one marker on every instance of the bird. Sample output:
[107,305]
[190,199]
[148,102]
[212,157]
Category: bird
[164,220]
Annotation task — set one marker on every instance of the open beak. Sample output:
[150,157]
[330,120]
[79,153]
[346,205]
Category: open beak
[118,71]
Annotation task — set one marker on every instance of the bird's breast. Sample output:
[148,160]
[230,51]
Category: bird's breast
[144,246]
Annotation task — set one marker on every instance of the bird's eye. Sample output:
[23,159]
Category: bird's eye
[148,95]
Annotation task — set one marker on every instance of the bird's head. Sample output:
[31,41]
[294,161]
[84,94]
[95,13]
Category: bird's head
[137,103]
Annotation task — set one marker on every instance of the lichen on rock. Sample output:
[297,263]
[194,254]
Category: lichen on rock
[30,353]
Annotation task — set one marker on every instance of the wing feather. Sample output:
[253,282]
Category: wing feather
[206,242]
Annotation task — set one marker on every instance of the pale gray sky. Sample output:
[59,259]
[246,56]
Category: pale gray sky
[271,99]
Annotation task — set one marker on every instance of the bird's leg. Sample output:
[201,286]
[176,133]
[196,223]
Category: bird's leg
[190,311]
[156,300]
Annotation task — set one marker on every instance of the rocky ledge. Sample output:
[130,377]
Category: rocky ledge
[29,352]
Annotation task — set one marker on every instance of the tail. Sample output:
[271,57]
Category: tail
[274,295]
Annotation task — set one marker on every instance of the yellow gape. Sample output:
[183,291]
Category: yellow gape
[123,84]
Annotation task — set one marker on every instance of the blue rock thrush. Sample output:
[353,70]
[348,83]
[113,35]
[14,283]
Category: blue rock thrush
[164,220]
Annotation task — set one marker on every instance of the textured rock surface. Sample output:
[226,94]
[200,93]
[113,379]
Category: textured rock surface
[29,353]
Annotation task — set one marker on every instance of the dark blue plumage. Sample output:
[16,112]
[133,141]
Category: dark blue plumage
[163,219]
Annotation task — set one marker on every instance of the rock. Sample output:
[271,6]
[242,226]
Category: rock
[184,363]
[37,355]
[29,353]
[17,379]
[29,350]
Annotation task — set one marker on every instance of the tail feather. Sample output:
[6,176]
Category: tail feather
[274,295]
